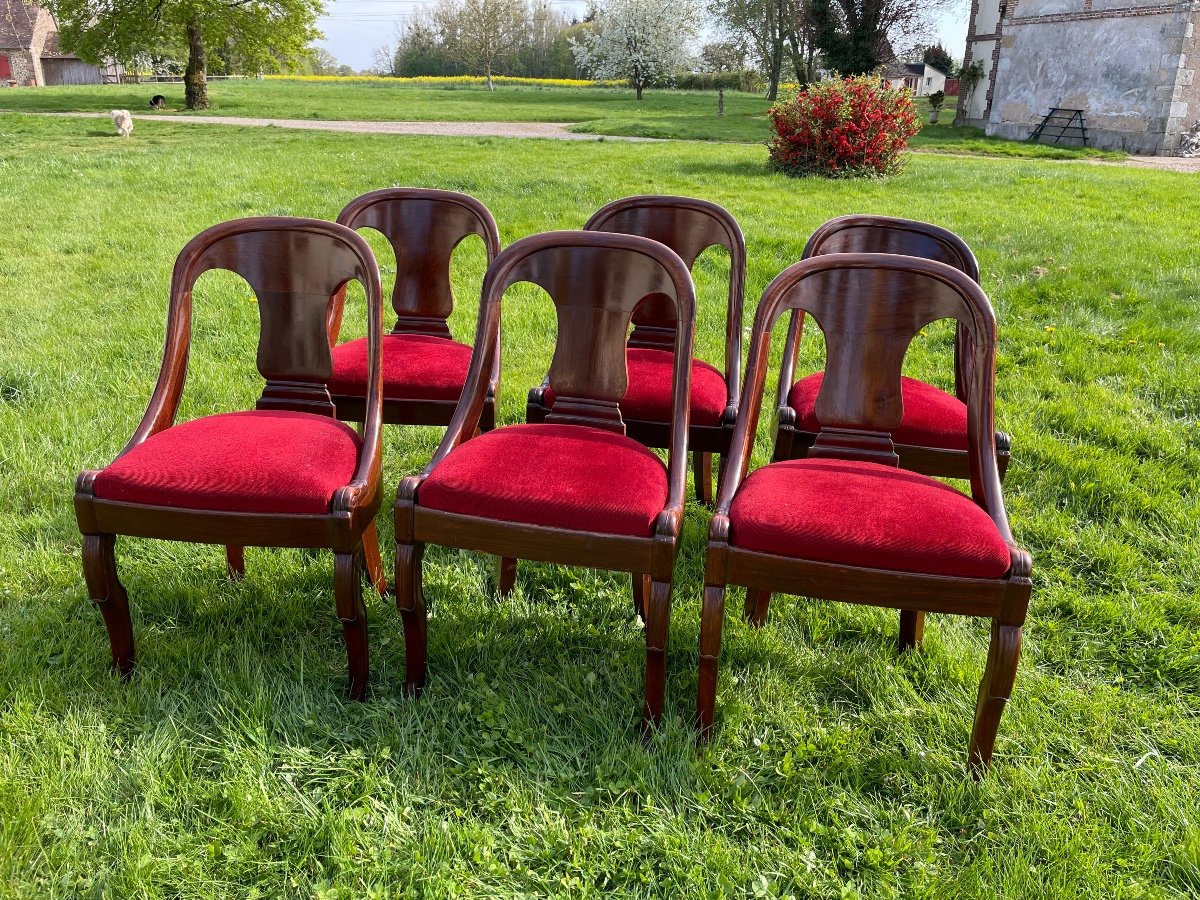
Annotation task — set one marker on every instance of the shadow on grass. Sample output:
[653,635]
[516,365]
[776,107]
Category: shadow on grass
[731,169]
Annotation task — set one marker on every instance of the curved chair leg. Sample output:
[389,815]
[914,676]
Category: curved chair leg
[410,600]
[235,561]
[372,561]
[658,622]
[912,629]
[347,594]
[640,588]
[994,691]
[506,575]
[758,604]
[712,619]
[702,470]
[107,592]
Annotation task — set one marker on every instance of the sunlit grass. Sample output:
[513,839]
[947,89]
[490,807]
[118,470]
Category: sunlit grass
[230,765]
[684,115]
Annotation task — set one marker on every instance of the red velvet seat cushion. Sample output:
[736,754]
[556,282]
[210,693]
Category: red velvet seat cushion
[259,462]
[865,514]
[932,418]
[559,476]
[415,367]
[648,398]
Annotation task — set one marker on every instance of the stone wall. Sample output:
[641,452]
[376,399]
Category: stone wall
[1129,64]
[24,70]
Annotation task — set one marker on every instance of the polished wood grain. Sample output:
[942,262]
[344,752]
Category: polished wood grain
[295,267]
[688,226]
[423,227]
[884,234]
[869,306]
[596,282]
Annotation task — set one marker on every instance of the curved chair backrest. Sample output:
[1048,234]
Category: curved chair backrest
[884,234]
[294,266]
[423,226]
[689,227]
[596,280]
[906,237]
[869,306]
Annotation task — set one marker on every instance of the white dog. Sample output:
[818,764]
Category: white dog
[123,121]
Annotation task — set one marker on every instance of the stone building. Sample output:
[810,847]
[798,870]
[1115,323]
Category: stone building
[1130,65]
[30,54]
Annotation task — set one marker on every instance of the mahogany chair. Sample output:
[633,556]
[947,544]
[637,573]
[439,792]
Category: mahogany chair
[845,522]
[424,368]
[689,227]
[285,474]
[574,489]
[932,437]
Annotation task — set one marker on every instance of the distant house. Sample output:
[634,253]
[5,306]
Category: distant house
[920,78]
[30,53]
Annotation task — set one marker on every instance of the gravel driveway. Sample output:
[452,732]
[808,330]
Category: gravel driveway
[554,130]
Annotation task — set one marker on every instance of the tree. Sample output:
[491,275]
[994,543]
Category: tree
[482,35]
[773,29]
[640,41]
[723,56]
[545,51]
[935,55]
[255,32]
[419,48]
[857,36]
[383,61]
[316,61]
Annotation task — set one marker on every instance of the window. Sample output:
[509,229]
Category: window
[929,81]
[5,68]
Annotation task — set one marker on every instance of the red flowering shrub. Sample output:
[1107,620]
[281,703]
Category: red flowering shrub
[843,127]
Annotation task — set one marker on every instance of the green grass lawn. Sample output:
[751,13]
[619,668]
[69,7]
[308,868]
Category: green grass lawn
[686,115]
[231,766]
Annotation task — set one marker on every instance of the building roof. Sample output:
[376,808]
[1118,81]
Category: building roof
[910,70]
[904,70]
[17,20]
[52,50]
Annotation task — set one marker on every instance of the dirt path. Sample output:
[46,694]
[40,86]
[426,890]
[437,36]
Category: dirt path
[553,130]
[1162,163]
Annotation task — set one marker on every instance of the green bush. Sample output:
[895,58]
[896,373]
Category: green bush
[746,80]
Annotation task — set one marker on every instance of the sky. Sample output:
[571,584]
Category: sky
[354,28]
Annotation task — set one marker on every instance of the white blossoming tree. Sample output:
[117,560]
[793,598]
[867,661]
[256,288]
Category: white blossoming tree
[639,41]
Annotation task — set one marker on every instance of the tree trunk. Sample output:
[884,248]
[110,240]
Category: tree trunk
[195,78]
[776,67]
[490,86]
[639,90]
